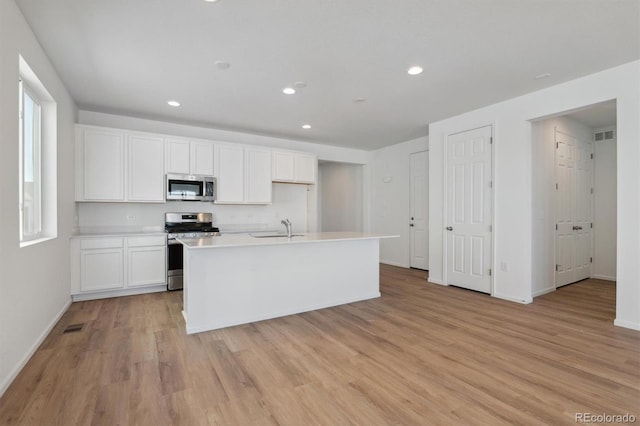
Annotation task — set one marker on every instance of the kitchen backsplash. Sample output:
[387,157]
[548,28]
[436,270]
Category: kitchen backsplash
[288,201]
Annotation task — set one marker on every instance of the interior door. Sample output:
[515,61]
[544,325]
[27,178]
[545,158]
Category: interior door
[574,176]
[419,233]
[469,211]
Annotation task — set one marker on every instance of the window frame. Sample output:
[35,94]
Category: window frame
[36,160]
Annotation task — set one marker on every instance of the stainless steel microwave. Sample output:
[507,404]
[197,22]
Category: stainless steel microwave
[191,188]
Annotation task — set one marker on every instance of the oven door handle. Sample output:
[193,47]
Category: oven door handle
[172,242]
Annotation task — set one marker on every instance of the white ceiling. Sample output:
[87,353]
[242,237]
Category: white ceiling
[599,115]
[131,56]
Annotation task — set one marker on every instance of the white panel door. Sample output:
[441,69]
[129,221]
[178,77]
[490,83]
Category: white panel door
[573,208]
[146,168]
[419,233]
[469,209]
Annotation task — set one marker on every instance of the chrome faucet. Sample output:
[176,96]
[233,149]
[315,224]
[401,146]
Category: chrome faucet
[288,225]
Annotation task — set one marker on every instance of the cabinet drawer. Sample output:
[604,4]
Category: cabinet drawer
[101,243]
[156,240]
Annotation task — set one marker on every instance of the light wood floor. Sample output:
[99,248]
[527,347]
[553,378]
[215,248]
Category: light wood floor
[420,354]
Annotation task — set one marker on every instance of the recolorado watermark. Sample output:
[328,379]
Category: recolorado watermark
[605,418]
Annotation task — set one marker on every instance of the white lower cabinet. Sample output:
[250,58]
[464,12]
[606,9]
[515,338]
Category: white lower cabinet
[116,266]
[146,261]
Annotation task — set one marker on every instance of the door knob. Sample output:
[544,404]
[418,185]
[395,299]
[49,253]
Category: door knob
[411,224]
[449,228]
[577,228]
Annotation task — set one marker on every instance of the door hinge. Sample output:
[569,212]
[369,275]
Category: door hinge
[556,185]
[592,156]
[491,139]
[591,225]
[490,184]
[557,267]
[556,226]
[592,190]
[489,271]
[591,260]
[556,145]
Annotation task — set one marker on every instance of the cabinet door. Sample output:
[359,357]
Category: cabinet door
[305,168]
[230,174]
[258,173]
[103,165]
[201,161]
[282,167]
[146,266]
[146,168]
[177,156]
[101,269]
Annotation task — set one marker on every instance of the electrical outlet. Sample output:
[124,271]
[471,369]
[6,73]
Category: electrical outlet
[131,217]
[504,266]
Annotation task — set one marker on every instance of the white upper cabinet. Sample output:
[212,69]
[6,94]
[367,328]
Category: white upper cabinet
[230,174]
[109,161]
[293,167]
[282,168]
[244,175]
[258,176]
[100,164]
[177,156]
[304,168]
[189,157]
[146,168]
[202,155]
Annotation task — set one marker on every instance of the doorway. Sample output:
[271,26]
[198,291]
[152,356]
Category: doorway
[469,211]
[574,197]
[418,209]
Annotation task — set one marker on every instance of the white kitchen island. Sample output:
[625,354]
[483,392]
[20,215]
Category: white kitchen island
[237,279]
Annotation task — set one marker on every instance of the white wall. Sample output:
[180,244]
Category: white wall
[390,198]
[513,212]
[604,211]
[289,200]
[543,196]
[340,187]
[34,289]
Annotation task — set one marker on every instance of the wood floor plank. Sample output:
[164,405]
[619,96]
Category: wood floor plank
[420,354]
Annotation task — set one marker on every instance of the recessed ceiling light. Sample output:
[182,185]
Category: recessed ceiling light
[288,90]
[300,84]
[222,65]
[543,75]
[211,1]
[174,103]
[359,100]
[306,126]
[415,70]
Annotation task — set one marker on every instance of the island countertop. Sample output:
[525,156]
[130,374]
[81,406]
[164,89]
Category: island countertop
[262,239]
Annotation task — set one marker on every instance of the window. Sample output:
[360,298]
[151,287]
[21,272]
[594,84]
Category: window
[38,197]
[30,170]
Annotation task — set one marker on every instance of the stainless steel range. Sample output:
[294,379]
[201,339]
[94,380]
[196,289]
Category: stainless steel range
[184,225]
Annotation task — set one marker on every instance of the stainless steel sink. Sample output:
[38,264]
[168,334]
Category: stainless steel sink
[273,235]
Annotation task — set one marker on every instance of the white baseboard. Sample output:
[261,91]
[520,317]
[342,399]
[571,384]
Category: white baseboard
[525,301]
[436,281]
[604,277]
[16,370]
[117,293]
[626,324]
[386,262]
[543,291]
